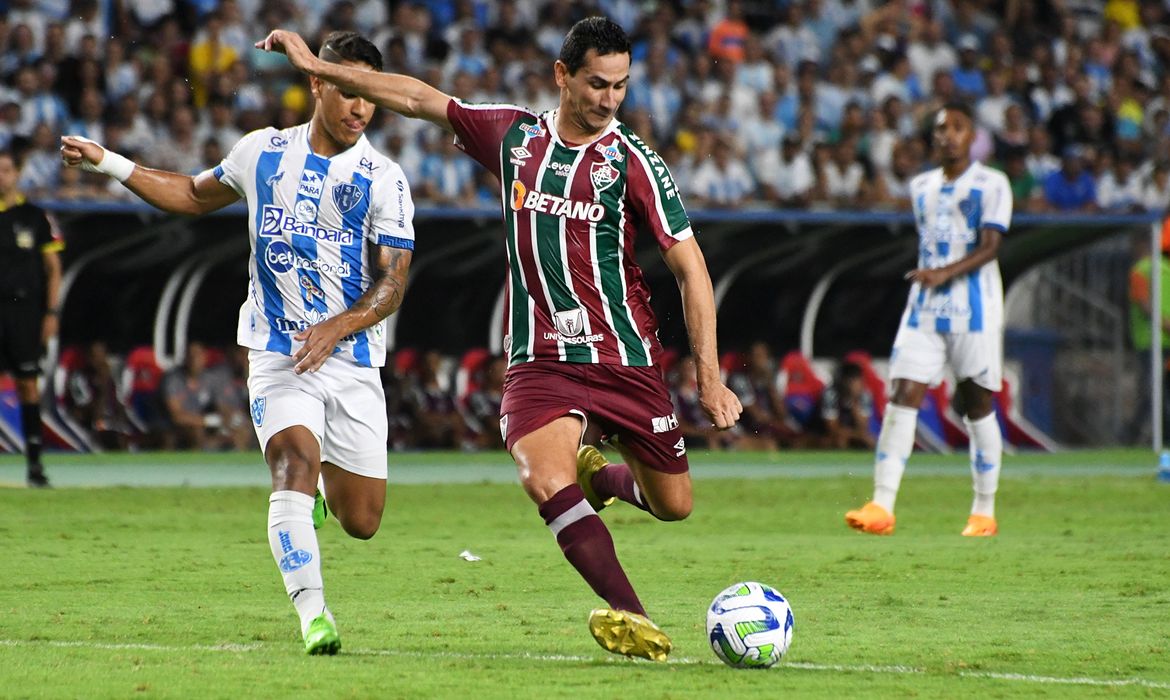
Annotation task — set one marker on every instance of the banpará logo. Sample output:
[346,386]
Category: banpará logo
[311,184]
[280,258]
[610,152]
[523,198]
[533,130]
[274,222]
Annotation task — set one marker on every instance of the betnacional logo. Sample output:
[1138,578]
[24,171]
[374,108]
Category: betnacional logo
[523,198]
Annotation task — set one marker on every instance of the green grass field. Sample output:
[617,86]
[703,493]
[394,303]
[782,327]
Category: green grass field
[169,590]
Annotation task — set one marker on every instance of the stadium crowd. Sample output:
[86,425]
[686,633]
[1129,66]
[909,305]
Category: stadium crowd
[434,401]
[790,103]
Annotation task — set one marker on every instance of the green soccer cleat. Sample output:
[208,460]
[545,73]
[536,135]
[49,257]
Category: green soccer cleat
[321,639]
[320,510]
[589,462]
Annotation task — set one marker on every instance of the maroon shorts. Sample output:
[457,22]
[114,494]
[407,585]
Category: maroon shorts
[631,403]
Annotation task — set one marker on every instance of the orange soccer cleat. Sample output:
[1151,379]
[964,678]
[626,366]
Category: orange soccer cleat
[980,526]
[871,518]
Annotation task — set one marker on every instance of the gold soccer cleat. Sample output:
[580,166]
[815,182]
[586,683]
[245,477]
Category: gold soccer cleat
[589,462]
[631,634]
[980,526]
[871,518]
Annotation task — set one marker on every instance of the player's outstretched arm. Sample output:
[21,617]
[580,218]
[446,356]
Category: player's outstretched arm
[686,261]
[390,267]
[171,192]
[403,94]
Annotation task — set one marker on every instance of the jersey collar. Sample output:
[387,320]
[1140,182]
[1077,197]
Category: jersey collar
[15,203]
[550,120]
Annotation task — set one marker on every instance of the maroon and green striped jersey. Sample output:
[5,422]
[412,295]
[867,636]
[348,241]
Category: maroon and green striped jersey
[574,292]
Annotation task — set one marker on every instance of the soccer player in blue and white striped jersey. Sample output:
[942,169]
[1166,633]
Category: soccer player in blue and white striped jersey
[330,221]
[954,316]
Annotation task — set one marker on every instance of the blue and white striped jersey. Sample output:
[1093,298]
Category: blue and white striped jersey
[950,217]
[312,223]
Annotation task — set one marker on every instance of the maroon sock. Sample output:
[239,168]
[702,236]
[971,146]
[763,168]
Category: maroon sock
[588,546]
[617,480]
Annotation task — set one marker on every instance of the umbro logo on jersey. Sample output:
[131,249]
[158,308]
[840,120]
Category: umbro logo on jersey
[533,130]
[311,184]
[519,155]
[554,205]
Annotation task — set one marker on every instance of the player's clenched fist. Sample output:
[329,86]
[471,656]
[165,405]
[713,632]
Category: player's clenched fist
[80,152]
[721,405]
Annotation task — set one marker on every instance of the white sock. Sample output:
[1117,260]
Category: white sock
[294,546]
[986,457]
[895,443]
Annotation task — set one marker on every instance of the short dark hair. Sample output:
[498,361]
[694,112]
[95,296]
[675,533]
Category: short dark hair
[350,46]
[598,33]
[961,107]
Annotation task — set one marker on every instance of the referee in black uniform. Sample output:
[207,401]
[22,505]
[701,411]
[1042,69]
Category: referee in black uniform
[30,280]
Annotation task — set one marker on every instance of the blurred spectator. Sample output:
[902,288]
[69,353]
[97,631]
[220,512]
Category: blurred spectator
[1156,195]
[1072,188]
[929,53]
[721,180]
[786,175]
[727,38]
[483,406]
[765,417]
[967,75]
[436,422]
[41,172]
[197,401]
[448,177]
[846,409]
[1120,188]
[843,176]
[1027,194]
[91,398]
[891,188]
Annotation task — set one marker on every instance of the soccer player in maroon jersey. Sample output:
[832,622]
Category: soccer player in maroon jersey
[576,187]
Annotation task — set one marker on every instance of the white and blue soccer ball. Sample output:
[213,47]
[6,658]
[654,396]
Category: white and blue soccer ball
[749,625]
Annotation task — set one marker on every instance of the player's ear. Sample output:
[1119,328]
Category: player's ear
[561,72]
[315,86]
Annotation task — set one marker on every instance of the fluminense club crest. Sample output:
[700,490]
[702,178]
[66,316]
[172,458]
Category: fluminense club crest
[603,175]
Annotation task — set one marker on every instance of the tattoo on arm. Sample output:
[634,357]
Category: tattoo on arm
[385,294]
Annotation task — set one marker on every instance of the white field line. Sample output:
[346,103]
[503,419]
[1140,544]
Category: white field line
[560,658]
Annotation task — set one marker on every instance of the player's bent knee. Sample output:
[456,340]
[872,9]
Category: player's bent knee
[360,528]
[672,509]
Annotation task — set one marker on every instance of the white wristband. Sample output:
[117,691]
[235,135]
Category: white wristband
[113,164]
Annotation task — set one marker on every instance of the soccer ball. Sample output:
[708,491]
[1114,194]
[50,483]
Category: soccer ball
[749,625]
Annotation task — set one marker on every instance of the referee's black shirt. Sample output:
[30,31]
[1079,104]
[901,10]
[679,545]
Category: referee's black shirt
[25,235]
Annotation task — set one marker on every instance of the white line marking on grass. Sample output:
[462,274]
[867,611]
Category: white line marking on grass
[1028,678]
[561,658]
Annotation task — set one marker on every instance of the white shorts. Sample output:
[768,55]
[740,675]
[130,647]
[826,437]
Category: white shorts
[922,356]
[343,404]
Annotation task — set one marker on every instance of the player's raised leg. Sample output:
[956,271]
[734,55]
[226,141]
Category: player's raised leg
[294,457]
[986,457]
[894,445]
[546,459]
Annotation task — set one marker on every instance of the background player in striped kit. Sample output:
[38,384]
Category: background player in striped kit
[576,186]
[954,316]
[331,228]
